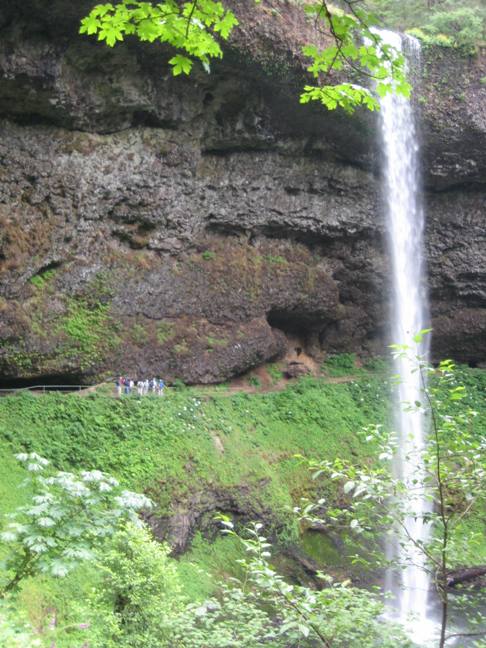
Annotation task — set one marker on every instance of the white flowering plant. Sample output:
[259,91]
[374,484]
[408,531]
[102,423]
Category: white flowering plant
[65,522]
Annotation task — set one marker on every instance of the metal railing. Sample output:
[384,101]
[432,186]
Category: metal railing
[45,388]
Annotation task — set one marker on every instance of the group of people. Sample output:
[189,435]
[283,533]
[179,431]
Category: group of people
[124,385]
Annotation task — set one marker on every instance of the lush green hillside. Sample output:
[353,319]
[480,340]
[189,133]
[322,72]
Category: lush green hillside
[189,449]
[185,441]
[188,442]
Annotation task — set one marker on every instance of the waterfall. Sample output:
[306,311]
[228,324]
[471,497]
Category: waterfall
[409,315]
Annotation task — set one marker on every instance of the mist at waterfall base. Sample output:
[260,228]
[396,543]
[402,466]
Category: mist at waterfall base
[409,315]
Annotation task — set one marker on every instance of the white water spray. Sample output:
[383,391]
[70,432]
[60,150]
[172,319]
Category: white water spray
[409,316]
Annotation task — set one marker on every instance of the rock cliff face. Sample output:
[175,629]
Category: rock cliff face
[186,227]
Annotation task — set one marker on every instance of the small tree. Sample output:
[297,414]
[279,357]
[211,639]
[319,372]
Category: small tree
[264,609]
[69,516]
[374,503]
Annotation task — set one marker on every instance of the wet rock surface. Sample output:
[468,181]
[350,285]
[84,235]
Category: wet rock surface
[198,511]
[189,226]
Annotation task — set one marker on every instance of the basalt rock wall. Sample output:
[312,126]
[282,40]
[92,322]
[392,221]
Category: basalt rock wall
[188,227]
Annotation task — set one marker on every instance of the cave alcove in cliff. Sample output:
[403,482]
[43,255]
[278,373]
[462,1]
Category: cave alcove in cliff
[298,328]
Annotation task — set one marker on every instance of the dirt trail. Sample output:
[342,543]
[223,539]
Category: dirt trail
[241,385]
[261,380]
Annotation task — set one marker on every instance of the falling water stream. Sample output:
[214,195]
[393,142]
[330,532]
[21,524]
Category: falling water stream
[409,315]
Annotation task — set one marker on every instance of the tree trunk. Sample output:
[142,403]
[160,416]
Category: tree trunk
[465,574]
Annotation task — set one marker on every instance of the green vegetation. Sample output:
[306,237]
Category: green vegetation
[208,255]
[275,372]
[213,342]
[167,448]
[23,360]
[62,526]
[143,441]
[42,278]
[276,260]
[131,595]
[343,364]
[443,23]
[207,563]
[178,384]
[84,329]
[195,29]
[139,334]
[373,499]
[192,28]
[181,348]
[377,364]
[12,474]
[147,443]
[89,329]
[165,331]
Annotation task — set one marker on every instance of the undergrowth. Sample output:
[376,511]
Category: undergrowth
[167,445]
[167,448]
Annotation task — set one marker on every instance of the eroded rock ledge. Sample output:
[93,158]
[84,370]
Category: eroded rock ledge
[184,226]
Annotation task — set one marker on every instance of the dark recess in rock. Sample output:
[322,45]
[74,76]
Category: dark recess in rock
[70,381]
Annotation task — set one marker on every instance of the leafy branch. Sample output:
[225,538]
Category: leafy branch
[196,28]
[68,518]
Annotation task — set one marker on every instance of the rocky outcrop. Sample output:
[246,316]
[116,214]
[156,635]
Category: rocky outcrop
[184,226]
[198,511]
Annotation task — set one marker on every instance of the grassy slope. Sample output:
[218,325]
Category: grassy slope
[11,476]
[167,446]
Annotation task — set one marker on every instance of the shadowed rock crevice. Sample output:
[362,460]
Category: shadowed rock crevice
[197,513]
[68,380]
[302,331]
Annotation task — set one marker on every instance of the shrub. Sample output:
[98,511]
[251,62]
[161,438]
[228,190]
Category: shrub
[276,260]
[275,372]
[140,588]
[340,365]
[69,516]
[181,348]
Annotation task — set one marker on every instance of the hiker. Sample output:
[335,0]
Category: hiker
[118,386]
[140,387]
[161,387]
